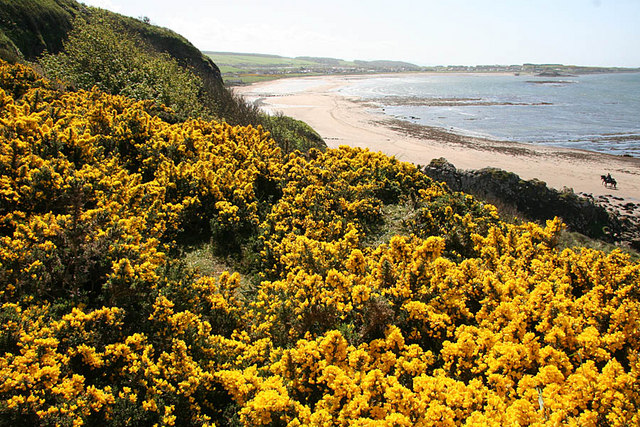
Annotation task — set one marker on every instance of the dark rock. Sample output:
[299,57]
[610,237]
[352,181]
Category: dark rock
[532,198]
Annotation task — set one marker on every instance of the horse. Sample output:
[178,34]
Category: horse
[608,180]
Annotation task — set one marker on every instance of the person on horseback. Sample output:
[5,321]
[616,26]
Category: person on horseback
[608,180]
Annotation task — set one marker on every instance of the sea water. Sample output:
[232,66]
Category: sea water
[598,112]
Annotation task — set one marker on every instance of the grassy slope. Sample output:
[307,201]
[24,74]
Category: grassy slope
[8,49]
[35,26]
[165,40]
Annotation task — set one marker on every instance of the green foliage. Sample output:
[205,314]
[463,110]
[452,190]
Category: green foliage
[96,54]
[130,57]
[454,216]
[35,26]
[292,134]
[16,81]
[230,106]
[574,240]
[8,50]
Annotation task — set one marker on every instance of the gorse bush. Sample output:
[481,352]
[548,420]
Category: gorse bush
[460,319]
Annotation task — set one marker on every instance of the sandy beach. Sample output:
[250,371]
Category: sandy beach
[347,121]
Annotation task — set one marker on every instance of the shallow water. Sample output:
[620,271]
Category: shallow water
[593,112]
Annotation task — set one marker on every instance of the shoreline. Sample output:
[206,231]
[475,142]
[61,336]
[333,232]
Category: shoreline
[342,120]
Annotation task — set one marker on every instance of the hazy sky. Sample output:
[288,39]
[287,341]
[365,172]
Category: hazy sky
[427,32]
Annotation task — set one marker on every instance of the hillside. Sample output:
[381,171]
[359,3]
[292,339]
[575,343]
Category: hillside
[343,287]
[85,47]
[30,27]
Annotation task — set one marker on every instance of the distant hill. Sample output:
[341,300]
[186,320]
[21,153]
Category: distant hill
[262,62]
[327,61]
[250,67]
[254,61]
[245,68]
[389,65]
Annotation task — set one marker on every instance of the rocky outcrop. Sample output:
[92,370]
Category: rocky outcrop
[534,200]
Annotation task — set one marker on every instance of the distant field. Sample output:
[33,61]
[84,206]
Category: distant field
[245,68]
[242,61]
[225,69]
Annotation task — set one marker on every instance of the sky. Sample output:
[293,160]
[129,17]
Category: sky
[423,32]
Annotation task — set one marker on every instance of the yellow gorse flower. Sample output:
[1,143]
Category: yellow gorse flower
[379,297]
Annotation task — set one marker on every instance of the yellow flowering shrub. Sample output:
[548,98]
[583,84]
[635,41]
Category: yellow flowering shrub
[93,187]
[458,318]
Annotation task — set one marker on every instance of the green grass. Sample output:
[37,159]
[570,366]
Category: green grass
[37,25]
[344,63]
[240,68]
[573,240]
[395,217]
[244,79]
[8,50]
[249,78]
[202,260]
[243,61]
[226,69]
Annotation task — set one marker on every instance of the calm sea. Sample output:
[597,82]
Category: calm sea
[594,112]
